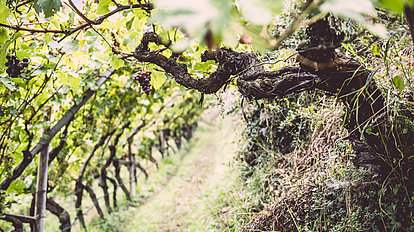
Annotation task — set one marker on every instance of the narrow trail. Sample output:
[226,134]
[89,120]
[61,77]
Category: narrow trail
[202,170]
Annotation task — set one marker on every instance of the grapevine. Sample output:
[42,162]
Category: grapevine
[144,79]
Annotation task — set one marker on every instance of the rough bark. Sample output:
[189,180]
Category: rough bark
[162,146]
[151,158]
[115,186]
[178,138]
[230,63]
[95,201]
[104,186]
[55,151]
[79,187]
[104,173]
[119,179]
[61,213]
[17,224]
[376,142]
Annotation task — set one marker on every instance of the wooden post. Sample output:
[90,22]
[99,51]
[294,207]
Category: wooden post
[41,189]
[132,180]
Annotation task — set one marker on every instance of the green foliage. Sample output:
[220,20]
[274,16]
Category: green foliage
[61,71]
[395,5]
[103,7]
[112,224]
[4,11]
[341,197]
[48,7]
[65,66]
[398,82]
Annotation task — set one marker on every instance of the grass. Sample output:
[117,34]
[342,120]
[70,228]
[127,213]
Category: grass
[146,188]
[187,202]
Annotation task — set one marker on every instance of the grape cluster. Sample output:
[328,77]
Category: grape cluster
[14,66]
[144,79]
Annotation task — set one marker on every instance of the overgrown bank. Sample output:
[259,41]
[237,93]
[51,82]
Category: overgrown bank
[317,162]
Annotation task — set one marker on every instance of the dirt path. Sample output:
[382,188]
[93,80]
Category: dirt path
[202,170]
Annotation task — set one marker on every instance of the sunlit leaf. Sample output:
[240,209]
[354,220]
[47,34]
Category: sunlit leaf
[48,38]
[3,35]
[4,11]
[180,46]
[54,45]
[157,80]
[395,5]
[42,98]
[116,63]
[103,6]
[16,186]
[231,37]
[70,45]
[74,82]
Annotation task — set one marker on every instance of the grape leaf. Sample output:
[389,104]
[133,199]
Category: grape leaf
[8,83]
[3,52]
[103,7]
[259,43]
[3,35]
[16,186]
[129,24]
[70,45]
[48,7]
[74,82]
[116,63]
[157,80]
[395,5]
[399,82]
[4,11]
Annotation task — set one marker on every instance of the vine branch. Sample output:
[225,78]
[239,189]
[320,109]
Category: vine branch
[87,23]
